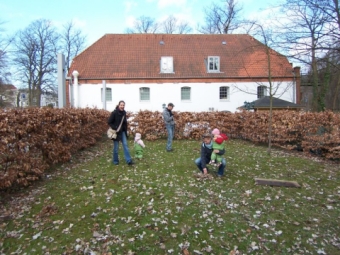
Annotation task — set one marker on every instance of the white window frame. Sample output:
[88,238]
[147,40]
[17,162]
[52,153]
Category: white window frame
[228,93]
[213,64]
[144,92]
[261,91]
[184,92]
[167,65]
[108,94]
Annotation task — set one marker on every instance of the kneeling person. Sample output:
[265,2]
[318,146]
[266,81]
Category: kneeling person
[206,152]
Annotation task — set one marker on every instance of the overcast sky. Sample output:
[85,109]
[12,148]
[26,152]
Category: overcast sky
[98,17]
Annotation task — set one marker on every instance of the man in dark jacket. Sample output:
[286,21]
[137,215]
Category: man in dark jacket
[170,125]
[206,151]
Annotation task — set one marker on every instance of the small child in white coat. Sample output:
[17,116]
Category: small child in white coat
[139,146]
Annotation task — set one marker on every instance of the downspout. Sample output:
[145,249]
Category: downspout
[294,87]
[104,94]
[75,89]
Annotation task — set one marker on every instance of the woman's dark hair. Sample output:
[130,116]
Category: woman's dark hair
[121,101]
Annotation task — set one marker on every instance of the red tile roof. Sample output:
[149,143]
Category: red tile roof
[8,87]
[134,56]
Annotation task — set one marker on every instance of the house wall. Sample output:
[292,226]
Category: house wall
[48,100]
[8,98]
[204,96]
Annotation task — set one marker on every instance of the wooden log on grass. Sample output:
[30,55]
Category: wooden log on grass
[273,182]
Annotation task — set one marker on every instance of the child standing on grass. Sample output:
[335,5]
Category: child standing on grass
[138,146]
[218,144]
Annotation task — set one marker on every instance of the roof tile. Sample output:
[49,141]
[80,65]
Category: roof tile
[138,56]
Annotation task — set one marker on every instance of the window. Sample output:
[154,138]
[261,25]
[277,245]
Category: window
[144,94]
[167,65]
[224,93]
[213,64]
[108,94]
[185,93]
[261,91]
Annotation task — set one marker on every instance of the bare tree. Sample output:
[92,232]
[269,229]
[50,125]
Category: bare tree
[221,19]
[4,44]
[184,27]
[4,69]
[169,25]
[306,38]
[143,25]
[331,11]
[35,58]
[72,42]
[272,90]
[174,26]
[331,73]
[3,66]
[147,25]
[275,79]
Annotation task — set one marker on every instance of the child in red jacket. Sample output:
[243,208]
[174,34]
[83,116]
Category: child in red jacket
[218,144]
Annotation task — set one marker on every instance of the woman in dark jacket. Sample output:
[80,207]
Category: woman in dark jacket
[114,122]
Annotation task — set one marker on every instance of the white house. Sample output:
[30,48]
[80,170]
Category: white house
[8,95]
[49,99]
[46,99]
[195,72]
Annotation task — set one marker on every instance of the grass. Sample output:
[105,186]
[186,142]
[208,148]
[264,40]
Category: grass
[161,205]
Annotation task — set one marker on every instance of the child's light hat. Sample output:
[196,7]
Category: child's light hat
[215,131]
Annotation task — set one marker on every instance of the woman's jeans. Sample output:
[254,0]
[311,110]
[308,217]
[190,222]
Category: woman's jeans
[170,129]
[221,168]
[125,148]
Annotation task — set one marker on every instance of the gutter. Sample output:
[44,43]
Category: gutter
[180,78]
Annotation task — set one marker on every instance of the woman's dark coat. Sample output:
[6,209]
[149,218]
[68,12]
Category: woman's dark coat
[114,122]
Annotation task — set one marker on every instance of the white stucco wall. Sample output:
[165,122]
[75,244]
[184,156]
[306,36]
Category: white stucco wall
[204,96]
[45,100]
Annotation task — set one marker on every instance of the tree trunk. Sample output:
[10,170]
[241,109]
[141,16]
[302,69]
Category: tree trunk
[270,126]
[336,94]
[324,88]
[38,96]
[270,100]
[30,95]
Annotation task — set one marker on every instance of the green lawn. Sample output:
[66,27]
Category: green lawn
[161,205]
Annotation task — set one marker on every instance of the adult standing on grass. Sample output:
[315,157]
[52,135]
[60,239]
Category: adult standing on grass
[116,119]
[206,151]
[170,125]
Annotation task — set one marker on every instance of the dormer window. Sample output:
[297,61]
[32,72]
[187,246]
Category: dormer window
[261,91]
[167,65]
[213,64]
